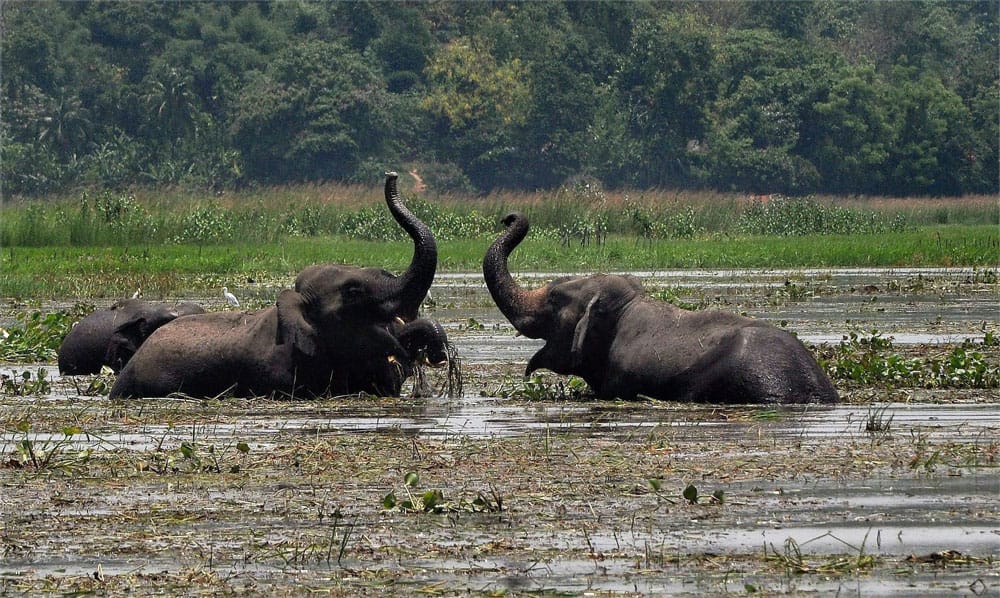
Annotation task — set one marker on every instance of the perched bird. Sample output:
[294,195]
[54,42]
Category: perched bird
[230,298]
[137,293]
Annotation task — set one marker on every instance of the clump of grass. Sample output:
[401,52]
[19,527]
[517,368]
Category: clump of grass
[48,455]
[877,424]
[792,560]
[537,388]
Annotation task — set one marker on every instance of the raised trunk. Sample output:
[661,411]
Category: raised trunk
[524,308]
[416,280]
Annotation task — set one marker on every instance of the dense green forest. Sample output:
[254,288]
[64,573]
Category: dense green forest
[888,98]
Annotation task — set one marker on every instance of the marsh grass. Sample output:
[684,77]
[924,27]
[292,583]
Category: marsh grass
[580,212]
[171,270]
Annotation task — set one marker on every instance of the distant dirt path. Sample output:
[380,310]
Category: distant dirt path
[418,184]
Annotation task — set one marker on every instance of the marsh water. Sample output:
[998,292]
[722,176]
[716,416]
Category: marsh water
[893,492]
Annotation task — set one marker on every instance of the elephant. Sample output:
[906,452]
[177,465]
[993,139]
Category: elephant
[340,330]
[109,337]
[604,329]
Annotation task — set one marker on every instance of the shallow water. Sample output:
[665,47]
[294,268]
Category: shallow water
[581,513]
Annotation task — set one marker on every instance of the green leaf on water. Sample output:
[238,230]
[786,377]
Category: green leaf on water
[23,425]
[431,499]
[71,430]
[655,484]
[389,501]
[411,479]
[691,494]
[187,450]
[243,447]
[719,495]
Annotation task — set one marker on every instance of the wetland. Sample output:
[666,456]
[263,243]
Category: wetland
[502,485]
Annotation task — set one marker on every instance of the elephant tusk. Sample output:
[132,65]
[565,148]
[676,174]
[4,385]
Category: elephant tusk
[392,359]
[400,320]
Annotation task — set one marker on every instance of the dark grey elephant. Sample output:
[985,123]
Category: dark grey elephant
[623,344]
[109,337]
[342,330]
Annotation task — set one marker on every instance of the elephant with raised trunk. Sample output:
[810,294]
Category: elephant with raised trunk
[604,329]
[109,337]
[342,330]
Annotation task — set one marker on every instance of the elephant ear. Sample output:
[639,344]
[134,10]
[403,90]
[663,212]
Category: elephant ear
[580,332]
[293,327]
[125,341]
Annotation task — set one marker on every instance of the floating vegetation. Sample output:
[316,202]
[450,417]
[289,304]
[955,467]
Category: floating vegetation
[23,384]
[537,388]
[871,360]
[38,337]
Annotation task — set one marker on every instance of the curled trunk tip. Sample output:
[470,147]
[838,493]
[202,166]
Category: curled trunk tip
[416,281]
[523,308]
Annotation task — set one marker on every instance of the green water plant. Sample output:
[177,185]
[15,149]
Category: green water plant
[47,455]
[433,500]
[23,384]
[39,335]
[872,360]
[537,388]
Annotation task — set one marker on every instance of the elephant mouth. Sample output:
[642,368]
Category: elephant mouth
[546,358]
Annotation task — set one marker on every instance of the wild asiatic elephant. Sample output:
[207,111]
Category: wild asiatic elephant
[342,330]
[109,337]
[623,344]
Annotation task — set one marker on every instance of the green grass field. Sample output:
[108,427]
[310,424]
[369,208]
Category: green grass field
[170,270]
[170,242]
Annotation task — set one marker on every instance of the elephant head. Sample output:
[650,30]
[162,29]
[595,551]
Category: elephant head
[332,297]
[425,339]
[373,292]
[570,312]
[129,334]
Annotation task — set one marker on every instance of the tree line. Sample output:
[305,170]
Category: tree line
[833,96]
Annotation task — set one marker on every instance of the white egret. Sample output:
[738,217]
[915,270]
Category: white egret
[230,298]
[137,294]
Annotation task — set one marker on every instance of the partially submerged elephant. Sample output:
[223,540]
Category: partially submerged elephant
[623,344]
[342,330]
[109,337]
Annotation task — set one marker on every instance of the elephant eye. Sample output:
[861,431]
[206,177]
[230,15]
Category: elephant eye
[354,291]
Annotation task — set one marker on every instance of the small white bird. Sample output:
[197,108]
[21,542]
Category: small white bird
[137,293]
[230,298]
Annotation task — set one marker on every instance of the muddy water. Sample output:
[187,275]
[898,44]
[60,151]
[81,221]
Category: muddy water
[875,497]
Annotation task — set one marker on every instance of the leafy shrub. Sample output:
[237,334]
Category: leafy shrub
[204,225]
[785,216]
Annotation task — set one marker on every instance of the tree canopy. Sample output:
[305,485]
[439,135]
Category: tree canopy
[836,96]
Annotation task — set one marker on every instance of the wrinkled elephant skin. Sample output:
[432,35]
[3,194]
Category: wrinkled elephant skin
[623,344]
[341,330]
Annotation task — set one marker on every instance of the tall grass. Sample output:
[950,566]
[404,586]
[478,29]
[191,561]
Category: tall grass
[173,270]
[581,213]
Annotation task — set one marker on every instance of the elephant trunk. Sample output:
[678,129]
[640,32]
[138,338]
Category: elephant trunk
[524,308]
[414,283]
